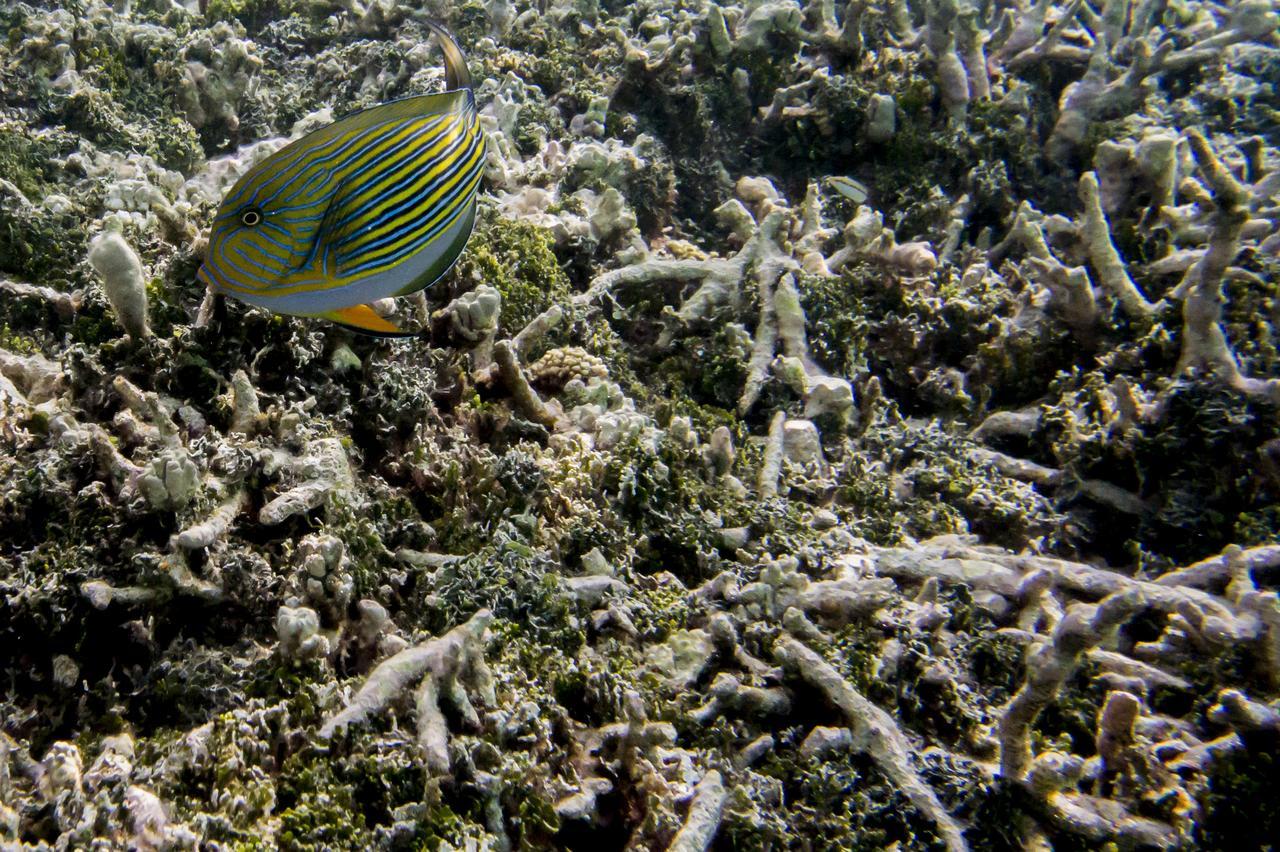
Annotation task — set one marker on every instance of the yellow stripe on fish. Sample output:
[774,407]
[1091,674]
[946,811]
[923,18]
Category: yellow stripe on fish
[380,203]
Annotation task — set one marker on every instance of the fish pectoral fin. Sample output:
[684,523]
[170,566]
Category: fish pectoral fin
[365,320]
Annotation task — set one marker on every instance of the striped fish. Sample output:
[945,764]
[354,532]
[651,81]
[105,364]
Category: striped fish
[380,203]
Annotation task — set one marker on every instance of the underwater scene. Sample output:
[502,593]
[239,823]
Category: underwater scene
[640,425]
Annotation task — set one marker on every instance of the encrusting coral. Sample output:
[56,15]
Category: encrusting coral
[850,424]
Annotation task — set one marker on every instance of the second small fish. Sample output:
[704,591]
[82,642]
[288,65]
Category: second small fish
[380,203]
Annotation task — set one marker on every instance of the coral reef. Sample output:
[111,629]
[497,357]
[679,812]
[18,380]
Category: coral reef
[850,425]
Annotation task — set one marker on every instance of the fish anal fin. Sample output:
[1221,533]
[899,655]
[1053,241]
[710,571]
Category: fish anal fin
[366,320]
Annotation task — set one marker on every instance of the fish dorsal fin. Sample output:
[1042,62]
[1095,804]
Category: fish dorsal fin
[456,73]
[366,320]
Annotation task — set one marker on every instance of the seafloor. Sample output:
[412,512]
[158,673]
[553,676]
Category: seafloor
[849,427]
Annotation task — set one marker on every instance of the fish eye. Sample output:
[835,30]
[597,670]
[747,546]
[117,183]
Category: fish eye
[250,217]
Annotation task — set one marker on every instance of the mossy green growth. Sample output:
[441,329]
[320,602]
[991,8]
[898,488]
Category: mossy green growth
[1250,315]
[665,501]
[946,342]
[545,664]
[317,809]
[36,244]
[27,160]
[919,480]
[1070,722]
[1239,802]
[176,145]
[519,260]
[939,711]
[840,798]
[1198,463]
[836,326]
[508,577]
[709,369]
[20,343]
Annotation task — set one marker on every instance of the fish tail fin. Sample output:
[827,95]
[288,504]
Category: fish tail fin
[456,73]
[365,320]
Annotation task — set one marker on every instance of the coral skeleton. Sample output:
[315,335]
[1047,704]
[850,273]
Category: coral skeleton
[849,424]
[444,668]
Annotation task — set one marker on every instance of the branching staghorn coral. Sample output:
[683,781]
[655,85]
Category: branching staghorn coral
[635,701]
[874,732]
[444,668]
[1204,343]
[322,473]
[66,304]
[1049,666]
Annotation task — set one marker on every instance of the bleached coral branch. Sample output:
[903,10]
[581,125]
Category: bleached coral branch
[526,399]
[874,732]
[705,812]
[1107,263]
[1049,666]
[447,666]
[1204,344]
[323,469]
[66,304]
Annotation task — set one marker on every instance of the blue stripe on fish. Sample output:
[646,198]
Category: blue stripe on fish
[377,204]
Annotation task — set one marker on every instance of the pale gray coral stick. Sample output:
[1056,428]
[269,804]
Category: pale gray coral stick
[536,329]
[971,41]
[1027,232]
[789,314]
[728,695]
[1030,24]
[1107,263]
[1115,727]
[1204,344]
[653,270]
[1045,44]
[214,527]
[874,732]
[1073,296]
[1049,666]
[762,346]
[147,404]
[952,78]
[9,392]
[954,562]
[526,399]
[447,664]
[324,470]
[123,472]
[1023,469]
[65,304]
[1217,569]
[705,813]
[244,404]
[1252,20]
[771,465]
[1078,106]
[38,378]
[1239,711]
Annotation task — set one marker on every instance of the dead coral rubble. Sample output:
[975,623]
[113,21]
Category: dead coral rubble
[849,424]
